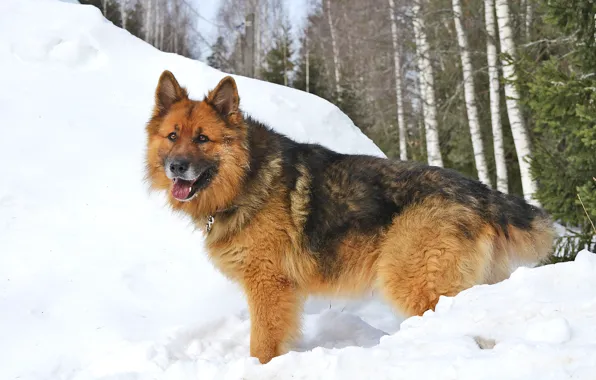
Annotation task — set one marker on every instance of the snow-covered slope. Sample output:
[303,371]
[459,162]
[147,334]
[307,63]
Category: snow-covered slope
[98,280]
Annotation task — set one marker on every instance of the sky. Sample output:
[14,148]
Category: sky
[208,8]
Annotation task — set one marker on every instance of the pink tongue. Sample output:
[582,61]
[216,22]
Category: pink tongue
[181,189]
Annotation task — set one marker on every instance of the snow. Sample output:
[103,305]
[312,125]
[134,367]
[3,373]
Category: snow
[99,280]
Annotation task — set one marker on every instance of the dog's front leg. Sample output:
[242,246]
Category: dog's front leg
[275,307]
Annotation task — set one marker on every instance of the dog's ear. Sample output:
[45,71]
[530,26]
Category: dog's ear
[167,93]
[224,98]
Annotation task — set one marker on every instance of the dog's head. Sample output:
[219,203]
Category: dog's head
[196,150]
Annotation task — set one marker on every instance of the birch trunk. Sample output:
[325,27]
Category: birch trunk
[104,5]
[257,34]
[335,52]
[518,128]
[148,20]
[175,29]
[495,96]
[427,89]
[284,53]
[162,25]
[399,102]
[528,21]
[307,62]
[123,13]
[156,28]
[470,96]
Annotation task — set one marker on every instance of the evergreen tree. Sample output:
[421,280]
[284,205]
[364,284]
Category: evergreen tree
[561,96]
[134,23]
[279,65]
[218,58]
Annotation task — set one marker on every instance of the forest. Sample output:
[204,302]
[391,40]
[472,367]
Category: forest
[501,90]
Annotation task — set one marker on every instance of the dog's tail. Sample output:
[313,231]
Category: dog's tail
[526,240]
[534,244]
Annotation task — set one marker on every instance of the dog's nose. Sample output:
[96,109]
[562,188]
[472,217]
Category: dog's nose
[179,167]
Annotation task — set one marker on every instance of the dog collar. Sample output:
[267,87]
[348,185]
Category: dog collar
[211,218]
[210,221]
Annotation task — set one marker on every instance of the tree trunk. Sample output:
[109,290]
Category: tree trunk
[399,102]
[156,28]
[148,21]
[162,23]
[306,62]
[528,19]
[427,88]
[495,96]
[162,26]
[104,5]
[176,21]
[470,96]
[335,52]
[257,43]
[284,53]
[123,12]
[518,128]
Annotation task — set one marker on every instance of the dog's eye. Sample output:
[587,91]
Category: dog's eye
[172,136]
[202,139]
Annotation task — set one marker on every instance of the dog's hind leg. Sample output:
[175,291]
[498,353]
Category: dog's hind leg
[426,255]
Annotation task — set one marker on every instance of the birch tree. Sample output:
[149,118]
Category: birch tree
[495,96]
[307,62]
[149,20]
[470,96]
[427,90]
[336,67]
[124,12]
[257,58]
[521,138]
[526,7]
[156,24]
[399,103]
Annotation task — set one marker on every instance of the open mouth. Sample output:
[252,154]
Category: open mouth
[184,190]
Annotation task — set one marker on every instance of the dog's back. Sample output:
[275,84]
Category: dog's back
[417,231]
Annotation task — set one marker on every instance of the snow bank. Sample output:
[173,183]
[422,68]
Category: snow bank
[543,321]
[98,280]
[92,268]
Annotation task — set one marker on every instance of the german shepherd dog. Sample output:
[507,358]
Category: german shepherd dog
[286,220]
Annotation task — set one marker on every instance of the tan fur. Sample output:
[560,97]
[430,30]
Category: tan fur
[421,256]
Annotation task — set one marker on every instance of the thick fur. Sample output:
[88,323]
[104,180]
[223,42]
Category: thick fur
[296,219]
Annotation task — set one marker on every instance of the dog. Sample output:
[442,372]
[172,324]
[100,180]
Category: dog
[286,220]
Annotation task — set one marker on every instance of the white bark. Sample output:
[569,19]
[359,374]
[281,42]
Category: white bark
[335,52]
[176,20]
[162,25]
[470,96]
[104,5]
[427,88]
[495,96]
[123,12]
[159,24]
[284,53]
[257,34]
[399,102]
[518,128]
[149,21]
[307,61]
[528,21]
[156,28]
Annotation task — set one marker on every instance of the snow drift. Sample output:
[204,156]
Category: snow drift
[98,280]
